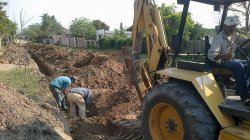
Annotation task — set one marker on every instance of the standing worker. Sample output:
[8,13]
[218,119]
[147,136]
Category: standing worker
[58,88]
[82,97]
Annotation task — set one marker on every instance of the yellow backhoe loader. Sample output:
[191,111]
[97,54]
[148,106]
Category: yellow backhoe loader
[183,101]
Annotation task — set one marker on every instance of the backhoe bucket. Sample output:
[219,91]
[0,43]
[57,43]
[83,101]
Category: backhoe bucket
[135,72]
[129,62]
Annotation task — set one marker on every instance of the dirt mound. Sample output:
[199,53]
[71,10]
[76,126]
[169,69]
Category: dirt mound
[22,118]
[13,55]
[101,72]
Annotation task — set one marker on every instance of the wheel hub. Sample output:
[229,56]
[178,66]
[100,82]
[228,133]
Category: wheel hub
[171,126]
[165,123]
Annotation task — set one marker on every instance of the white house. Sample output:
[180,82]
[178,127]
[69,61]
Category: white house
[101,33]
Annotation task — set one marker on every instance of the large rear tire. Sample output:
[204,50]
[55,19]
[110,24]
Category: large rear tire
[175,111]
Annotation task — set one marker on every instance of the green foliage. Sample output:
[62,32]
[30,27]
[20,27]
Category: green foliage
[121,27]
[167,10]
[118,41]
[197,33]
[16,79]
[83,28]
[119,34]
[33,32]
[7,27]
[209,32]
[172,23]
[115,43]
[50,26]
[100,25]
[130,28]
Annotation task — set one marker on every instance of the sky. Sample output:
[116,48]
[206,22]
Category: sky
[111,12]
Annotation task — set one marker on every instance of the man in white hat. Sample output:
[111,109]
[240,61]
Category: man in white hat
[222,53]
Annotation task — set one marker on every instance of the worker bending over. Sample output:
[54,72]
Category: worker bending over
[82,97]
[58,88]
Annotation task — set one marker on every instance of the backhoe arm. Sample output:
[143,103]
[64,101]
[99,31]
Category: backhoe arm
[147,21]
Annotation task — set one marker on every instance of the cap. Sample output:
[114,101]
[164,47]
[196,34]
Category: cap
[74,79]
[231,20]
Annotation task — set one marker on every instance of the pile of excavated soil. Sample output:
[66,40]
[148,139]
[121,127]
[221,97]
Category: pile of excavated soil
[13,54]
[21,118]
[103,74]
[99,71]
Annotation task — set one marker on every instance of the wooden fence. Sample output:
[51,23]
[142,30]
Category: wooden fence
[196,46]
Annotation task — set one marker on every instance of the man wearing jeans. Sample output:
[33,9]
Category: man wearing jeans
[58,88]
[222,53]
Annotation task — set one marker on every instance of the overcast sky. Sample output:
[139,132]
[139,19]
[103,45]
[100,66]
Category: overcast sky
[111,12]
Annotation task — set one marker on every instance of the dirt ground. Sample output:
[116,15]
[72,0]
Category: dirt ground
[7,67]
[22,118]
[117,105]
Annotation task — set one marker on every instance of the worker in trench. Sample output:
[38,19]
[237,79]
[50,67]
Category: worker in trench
[58,87]
[81,98]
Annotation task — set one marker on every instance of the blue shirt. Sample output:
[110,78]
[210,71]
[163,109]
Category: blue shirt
[85,92]
[61,82]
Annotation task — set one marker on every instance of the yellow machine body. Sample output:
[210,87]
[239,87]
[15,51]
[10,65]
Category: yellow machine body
[142,74]
[208,89]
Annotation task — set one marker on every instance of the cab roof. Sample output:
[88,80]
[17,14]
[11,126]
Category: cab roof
[219,2]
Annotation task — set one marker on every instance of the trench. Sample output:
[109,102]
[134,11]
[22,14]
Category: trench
[126,129]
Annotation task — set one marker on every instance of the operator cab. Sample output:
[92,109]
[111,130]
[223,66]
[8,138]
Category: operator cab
[229,107]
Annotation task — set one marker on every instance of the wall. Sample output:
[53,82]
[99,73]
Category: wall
[100,33]
[71,42]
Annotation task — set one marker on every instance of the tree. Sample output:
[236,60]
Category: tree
[7,27]
[197,32]
[23,22]
[119,34]
[83,28]
[130,28]
[171,21]
[33,32]
[167,10]
[242,8]
[50,26]
[210,32]
[100,25]
[121,27]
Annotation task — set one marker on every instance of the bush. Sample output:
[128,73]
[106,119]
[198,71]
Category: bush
[107,43]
